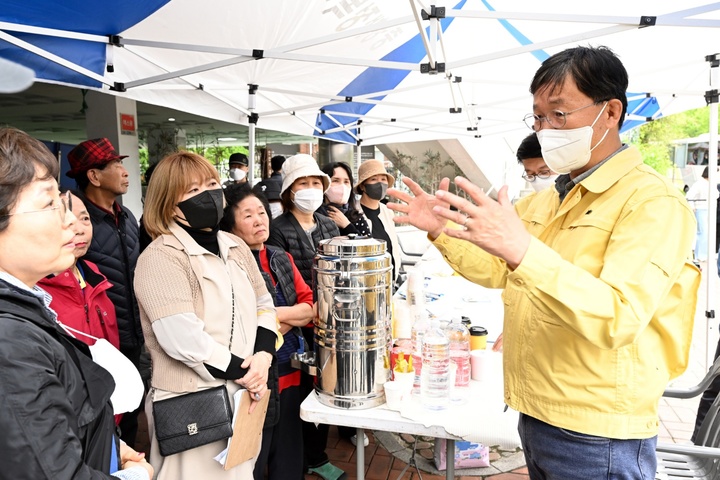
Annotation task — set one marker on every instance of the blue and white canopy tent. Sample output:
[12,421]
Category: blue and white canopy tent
[364,71]
[322,66]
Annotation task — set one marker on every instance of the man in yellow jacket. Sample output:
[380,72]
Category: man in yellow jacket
[599,287]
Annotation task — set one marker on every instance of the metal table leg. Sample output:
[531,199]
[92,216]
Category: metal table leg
[360,467]
[450,459]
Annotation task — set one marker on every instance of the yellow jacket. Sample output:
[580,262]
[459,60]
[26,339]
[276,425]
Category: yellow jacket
[599,314]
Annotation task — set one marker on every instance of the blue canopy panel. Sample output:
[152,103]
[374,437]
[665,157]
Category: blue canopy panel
[373,79]
[70,15]
[640,105]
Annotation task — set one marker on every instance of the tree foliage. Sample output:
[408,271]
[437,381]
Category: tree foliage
[654,139]
[426,171]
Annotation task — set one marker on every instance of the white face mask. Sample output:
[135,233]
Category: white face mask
[276,209]
[338,193]
[565,151]
[237,174]
[540,184]
[129,386]
[308,200]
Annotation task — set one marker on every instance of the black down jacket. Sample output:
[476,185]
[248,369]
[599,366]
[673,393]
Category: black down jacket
[286,233]
[56,417]
[115,249]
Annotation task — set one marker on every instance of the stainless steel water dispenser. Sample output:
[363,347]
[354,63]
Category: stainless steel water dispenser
[353,278]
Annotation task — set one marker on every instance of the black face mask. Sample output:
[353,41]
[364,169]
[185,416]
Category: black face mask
[204,210]
[376,191]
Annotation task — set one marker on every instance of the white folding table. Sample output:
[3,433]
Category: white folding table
[377,418]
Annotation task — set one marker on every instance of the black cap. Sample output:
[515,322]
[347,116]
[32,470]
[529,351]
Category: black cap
[239,159]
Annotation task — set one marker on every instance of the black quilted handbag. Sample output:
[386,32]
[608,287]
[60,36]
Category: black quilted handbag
[192,420]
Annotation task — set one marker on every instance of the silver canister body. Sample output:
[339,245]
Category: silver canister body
[353,329]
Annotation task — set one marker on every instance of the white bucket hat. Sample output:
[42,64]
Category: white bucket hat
[299,166]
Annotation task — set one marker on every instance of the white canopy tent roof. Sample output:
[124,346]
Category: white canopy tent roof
[366,57]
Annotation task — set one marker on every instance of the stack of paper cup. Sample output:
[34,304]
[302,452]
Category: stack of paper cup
[478,364]
[394,395]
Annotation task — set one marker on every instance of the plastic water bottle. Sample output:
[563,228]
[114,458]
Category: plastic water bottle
[434,388]
[415,288]
[418,314]
[459,338]
[419,328]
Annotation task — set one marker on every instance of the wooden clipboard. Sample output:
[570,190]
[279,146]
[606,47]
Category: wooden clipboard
[247,431]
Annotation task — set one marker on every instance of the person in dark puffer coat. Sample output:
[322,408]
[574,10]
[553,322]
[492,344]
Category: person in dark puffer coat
[101,178]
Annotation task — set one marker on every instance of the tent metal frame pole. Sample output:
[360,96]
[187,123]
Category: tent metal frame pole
[191,85]
[52,32]
[433,34]
[54,58]
[187,71]
[251,151]
[239,51]
[299,108]
[311,125]
[342,127]
[252,121]
[185,47]
[358,159]
[276,53]
[418,21]
[386,93]
[673,19]
[602,32]
[711,277]
[353,62]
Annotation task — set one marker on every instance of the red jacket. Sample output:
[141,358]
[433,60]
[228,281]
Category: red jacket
[89,310]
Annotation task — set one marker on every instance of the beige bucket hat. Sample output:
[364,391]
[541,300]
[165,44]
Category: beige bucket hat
[370,168]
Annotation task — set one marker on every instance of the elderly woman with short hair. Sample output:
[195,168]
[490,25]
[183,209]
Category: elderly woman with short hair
[57,418]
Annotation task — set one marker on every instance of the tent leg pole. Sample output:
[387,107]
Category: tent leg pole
[251,148]
[252,122]
[711,97]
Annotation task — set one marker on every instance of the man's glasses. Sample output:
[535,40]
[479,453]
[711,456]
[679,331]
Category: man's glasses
[541,175]
[64,205]
[555,119]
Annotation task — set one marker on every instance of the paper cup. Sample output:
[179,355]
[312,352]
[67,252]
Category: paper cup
[405,379]
[393,395]
[478,364]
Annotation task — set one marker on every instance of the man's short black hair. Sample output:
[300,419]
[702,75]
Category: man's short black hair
[276,163]
[529,148]
[597,72]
